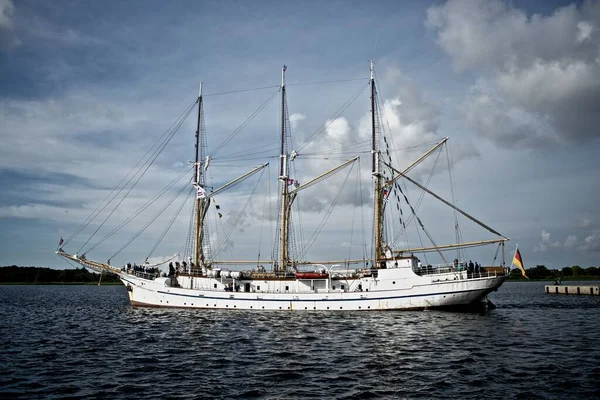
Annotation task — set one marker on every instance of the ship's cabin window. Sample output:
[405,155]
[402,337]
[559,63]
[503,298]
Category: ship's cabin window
[258,288]
[342,287]
[215,285]
[287,288]
[333,287]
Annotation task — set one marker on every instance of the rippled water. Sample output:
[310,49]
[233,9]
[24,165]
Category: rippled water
[87,342]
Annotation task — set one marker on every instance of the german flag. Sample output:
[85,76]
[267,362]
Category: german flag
[518,261]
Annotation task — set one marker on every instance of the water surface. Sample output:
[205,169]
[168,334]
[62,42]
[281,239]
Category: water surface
[88,342]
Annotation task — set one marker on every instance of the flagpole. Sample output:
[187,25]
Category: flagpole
[514,255]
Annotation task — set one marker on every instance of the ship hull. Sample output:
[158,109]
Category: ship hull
[446,294]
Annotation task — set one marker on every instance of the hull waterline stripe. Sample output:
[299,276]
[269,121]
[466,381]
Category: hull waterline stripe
[322,300]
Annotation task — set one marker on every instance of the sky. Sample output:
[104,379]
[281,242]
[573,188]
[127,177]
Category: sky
[87,87]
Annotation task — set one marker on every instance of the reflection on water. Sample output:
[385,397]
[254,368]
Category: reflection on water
[86,341]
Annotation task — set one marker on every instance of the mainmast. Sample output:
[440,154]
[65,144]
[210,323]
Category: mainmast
[283,177]
[202,201]
[376,172]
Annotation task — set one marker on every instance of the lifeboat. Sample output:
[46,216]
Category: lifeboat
[311,275]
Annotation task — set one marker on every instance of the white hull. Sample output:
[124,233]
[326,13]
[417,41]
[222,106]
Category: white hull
[392,291]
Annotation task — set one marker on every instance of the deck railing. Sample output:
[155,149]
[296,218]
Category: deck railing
[142,274]
[461,268]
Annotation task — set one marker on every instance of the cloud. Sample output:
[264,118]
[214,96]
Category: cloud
[584,222]
[540,73]
[570,242]
[8,38]
[493,118]
[545,243]
[296,119]
[33,211]
[592,242]
[338,130]
[409,121]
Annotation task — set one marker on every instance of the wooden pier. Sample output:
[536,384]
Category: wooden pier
[573,289]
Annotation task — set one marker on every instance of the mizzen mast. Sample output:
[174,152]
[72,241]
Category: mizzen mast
[379,251]
[202,201]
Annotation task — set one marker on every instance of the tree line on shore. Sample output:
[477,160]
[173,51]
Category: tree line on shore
[41,275]
[574,272]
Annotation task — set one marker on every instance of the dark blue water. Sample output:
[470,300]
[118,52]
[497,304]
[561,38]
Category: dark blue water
[87,342]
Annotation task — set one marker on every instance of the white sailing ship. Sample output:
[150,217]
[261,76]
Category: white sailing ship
[388,279]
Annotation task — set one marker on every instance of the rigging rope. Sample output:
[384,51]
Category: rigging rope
[152,219]
[354,211]
[262,225]
[140,210]
[157,152]
[248,151]
[243,125]
[189,241]
[240,91]
[185,200]
[317,231]
[238,218]
[343,108]
[333,81]
[278,86]
[93,215]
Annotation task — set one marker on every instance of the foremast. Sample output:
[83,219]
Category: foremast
[201,239]
[379,249]
[283,178]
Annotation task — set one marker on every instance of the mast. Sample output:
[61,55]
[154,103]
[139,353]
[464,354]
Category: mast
[375,171]
[202,201]
[283,177]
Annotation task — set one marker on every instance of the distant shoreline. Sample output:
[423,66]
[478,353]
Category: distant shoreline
[569,279]
[15,275]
